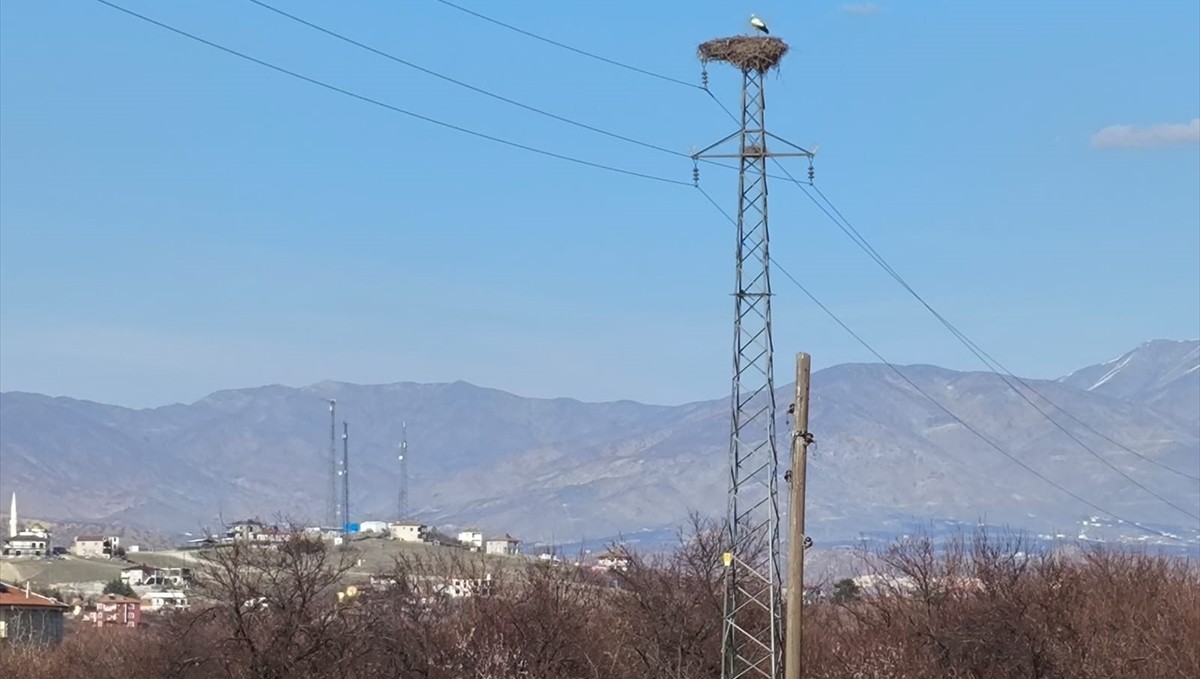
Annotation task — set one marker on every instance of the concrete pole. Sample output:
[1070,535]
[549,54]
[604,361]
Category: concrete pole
[795,583]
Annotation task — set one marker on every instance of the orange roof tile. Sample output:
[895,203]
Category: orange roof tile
[12,595]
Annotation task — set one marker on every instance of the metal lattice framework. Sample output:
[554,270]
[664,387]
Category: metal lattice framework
[332,508]
[402,496]
[752,643]
[344,473]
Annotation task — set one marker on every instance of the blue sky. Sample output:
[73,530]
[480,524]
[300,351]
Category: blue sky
[174,220]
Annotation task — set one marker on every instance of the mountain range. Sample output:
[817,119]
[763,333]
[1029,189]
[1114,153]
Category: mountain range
[563,469]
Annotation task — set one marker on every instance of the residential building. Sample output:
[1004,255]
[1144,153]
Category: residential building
[457,588]
[114,610]
[29,619]
[160,577]
[165,601]
[615,559]
[137,575]
[505,546]
[95,545]
[253,530]
[408,532]
[471,538]
[245,530]
[27,543]
[172,576]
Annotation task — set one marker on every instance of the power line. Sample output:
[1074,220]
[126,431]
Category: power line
[593,55]
[507,100]
[572,159]
[986,357]
[994,366]
[460,83]
[850,331]
[390,107]
[576,50]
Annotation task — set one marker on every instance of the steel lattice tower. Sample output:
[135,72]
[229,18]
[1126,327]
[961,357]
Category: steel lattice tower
[344,511]
[332,508]
[402,498]
[752,627]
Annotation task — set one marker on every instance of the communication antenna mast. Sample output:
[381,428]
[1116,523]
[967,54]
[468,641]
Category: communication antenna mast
[332,508]
[345,472]
[402,500]
[752,640]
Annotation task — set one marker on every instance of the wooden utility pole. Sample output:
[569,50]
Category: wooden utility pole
[792,668]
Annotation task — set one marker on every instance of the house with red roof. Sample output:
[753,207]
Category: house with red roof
[28,618]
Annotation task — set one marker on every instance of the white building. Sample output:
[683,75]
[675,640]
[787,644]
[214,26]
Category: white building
[248,529]
[169,578]
[33,541]
[165,601]
[408,532]
[373,527]
[253,530]
[471,538]
[505,546]
[615,559]
[93,545]
[26,543]
[457,588]
[136,575]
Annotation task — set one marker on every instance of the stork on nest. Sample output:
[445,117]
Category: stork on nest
[746,52]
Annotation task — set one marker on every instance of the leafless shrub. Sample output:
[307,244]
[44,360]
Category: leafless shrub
[80,650]
[995,606]
[668,615]
[982,606]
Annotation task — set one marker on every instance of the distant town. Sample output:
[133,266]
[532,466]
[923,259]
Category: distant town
[51,583]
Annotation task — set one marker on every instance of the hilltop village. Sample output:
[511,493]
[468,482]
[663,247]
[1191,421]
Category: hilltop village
[51,583]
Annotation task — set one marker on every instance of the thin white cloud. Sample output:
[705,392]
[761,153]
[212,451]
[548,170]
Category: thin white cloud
[1161,134]
[862,8]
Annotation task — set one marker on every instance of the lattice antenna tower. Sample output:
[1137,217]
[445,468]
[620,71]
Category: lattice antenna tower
[402,499]
[332,508]
[345,474]
[752,628]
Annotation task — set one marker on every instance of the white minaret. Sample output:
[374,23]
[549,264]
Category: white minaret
[12,518]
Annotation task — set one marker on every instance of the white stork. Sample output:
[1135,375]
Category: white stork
[758,23]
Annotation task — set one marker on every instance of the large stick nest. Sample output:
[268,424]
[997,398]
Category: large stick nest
[747,52]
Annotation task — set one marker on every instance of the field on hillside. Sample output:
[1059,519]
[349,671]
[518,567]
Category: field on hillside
[368,556]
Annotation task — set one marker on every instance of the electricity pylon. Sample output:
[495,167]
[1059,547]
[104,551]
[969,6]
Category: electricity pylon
[752,641]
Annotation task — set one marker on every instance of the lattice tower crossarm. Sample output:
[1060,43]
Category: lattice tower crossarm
[752,630]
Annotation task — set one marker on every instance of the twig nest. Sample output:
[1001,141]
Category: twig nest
[747,52]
